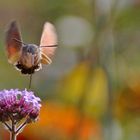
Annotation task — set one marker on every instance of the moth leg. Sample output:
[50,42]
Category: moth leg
[45,59]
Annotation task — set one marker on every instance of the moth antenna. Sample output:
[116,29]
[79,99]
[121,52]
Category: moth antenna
[50,46]
[30,81]
[19,41]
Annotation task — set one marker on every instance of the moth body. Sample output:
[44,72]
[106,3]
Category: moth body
[30,59]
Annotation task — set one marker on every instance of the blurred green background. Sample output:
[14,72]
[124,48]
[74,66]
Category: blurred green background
[91,91]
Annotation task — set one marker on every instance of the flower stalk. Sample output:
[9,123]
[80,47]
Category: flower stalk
[13,131]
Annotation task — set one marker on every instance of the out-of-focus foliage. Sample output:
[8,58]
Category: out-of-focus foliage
[84,88]
[91,90]
[128,101]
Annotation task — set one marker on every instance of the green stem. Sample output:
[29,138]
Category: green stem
[13,132]
[7,126]
[21,127]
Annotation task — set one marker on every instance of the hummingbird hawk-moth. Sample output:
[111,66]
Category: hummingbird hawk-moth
[29,58]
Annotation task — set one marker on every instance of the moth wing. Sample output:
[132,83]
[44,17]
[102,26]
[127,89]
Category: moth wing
[13,43]
[48,42]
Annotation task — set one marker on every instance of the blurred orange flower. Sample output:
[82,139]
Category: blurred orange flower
[59,122]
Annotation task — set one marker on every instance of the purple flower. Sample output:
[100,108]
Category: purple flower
[16,105]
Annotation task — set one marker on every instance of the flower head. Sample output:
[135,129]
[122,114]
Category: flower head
[17,104]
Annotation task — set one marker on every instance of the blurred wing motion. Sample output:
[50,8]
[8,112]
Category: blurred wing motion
[48,43]
[13,43]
